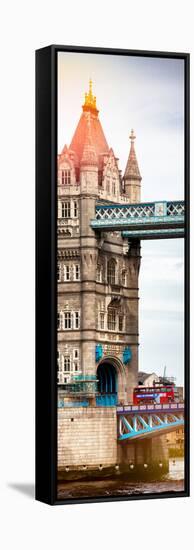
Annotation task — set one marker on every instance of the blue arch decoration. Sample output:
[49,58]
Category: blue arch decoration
[107,385]
[127,355]
[99,352]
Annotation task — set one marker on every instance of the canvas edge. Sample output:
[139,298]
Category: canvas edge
[50,450]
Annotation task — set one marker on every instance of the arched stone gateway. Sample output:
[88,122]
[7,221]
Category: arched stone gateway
[111,382]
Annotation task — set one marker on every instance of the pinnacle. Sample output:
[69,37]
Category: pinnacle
[132,168]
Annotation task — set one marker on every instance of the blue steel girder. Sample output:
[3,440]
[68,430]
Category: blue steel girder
[143,220]
[145,234]
[138,426]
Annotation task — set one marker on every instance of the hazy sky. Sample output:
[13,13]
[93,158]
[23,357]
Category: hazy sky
[146,94]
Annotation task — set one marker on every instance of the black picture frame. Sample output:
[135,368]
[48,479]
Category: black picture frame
[46,286]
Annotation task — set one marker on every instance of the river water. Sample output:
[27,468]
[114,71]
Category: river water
[172,482]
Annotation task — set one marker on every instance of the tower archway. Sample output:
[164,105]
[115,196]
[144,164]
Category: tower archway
[111,378]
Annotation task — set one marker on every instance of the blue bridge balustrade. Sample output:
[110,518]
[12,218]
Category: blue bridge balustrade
[146,421]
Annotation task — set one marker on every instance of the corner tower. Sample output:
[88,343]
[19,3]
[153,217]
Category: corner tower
[97,273]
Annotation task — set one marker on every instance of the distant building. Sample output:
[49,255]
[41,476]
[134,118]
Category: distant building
[175,440]
[147,379]
[179,393]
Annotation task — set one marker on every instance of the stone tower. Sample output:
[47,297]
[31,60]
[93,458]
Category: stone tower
[97,274]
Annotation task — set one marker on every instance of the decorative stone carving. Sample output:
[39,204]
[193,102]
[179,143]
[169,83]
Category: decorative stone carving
[66,254]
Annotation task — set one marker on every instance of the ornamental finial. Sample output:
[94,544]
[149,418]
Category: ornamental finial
[132,136]
[90,99]
[90,87]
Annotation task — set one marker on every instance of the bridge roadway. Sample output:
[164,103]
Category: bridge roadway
[151,220]
[146,421]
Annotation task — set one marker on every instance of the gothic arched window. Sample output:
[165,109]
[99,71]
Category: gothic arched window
[111,319]
[111,272]
[123,277]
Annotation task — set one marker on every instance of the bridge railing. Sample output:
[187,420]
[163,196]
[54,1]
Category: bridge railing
[171,209]
[148,408]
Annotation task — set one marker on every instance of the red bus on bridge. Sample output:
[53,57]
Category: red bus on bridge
[153,395]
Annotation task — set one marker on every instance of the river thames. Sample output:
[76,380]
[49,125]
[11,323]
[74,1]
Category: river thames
[172,482]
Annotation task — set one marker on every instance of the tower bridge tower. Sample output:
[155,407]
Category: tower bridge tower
[97,275]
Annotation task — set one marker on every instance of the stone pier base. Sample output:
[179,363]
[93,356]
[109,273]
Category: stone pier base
[88,447]
[87,439]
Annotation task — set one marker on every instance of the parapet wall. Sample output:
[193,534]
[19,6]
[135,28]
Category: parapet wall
[87,436]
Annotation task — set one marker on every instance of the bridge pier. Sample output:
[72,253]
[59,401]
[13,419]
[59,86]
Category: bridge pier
[145,457]
[159,447]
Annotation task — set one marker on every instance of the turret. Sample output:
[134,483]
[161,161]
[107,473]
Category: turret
[89,123]
[132,176]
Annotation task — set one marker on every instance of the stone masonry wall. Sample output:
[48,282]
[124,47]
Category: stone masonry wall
[87,436]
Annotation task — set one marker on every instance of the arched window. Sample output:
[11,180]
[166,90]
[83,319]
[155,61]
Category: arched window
[66,364]
[76,365]
[123,277]
[111,272]
[111,319]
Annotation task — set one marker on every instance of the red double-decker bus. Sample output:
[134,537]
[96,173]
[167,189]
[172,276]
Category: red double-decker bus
[153,395]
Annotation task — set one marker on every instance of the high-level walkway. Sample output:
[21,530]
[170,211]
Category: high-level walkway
[151,220]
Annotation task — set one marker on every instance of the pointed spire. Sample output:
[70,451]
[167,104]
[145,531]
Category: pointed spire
[89,156]
[90,101]
[132,169]
[96,141]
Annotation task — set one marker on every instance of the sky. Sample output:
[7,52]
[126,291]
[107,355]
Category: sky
[146,94]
